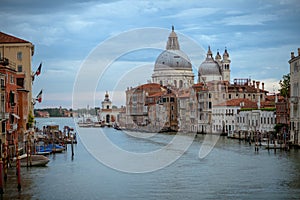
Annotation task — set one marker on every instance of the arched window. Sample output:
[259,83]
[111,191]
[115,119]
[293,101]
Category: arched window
[107,107]
[160,82]
[180,84]
[107,118]
[175,83]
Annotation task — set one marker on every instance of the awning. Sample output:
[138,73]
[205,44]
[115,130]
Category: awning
[15,115]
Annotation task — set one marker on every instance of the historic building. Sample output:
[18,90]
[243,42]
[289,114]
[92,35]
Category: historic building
[199,107]
[108,113]
[295,97]
[173,67]
[136,106]
[14,106]
[19,53]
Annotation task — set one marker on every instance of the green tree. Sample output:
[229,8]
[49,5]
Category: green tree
[30,119]
[285,86]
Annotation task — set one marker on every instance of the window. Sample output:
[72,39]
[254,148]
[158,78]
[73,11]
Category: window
[12,79]
[19,55]
[180,84]
[175,83]
[2,103]
[2,83]
[229,96]
[209,105]
[20,68]
[107,106]
[12,98]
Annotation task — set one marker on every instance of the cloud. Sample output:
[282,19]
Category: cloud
[193,13]
[259,35]
[248,20]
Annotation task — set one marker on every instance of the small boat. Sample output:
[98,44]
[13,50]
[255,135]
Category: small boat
[117,127]
[42,150]
[32,160]
[86,121]
[56,148]
[272,145]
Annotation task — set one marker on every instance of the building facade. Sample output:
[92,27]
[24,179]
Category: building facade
[295,98]
[19,53]
[108,114]
[14,106]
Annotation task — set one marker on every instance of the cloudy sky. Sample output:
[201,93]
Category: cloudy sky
[259,36]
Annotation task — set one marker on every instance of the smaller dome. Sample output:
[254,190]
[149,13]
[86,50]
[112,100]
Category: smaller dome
[209,66]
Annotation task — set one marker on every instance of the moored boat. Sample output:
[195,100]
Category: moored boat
[32,160]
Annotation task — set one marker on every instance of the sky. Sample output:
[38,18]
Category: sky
[69,35]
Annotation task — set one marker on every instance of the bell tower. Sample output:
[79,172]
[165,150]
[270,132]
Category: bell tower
[226,66]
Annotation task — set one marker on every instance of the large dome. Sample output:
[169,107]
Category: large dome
[173,60]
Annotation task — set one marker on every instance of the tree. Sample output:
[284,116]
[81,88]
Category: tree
[285,86]
[30,120]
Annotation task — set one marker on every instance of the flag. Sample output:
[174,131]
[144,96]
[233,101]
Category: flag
[38,71]
[39,96]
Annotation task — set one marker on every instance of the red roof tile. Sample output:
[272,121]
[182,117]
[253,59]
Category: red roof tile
[5,38]
[148,85]
[246,103]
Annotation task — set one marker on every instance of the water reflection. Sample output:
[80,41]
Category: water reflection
[233,170]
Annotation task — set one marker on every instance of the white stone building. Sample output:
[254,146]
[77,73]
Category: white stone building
[108,113]
[295,97]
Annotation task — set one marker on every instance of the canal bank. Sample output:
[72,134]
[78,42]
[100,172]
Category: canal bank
[233,170]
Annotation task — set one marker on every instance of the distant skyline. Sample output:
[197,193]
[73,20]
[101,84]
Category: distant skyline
[258,34]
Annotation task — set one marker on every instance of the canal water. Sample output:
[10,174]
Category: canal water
[232,170]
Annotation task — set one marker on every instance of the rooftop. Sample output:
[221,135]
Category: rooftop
[5,38]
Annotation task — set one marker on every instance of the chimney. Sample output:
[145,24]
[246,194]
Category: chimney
[257,85]
[253,83]
[263,86]
[292,55]
[298,51]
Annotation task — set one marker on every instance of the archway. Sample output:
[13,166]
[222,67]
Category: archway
[107,118]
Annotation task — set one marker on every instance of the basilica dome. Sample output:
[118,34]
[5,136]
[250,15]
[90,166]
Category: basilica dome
[173,67]
[173,59]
